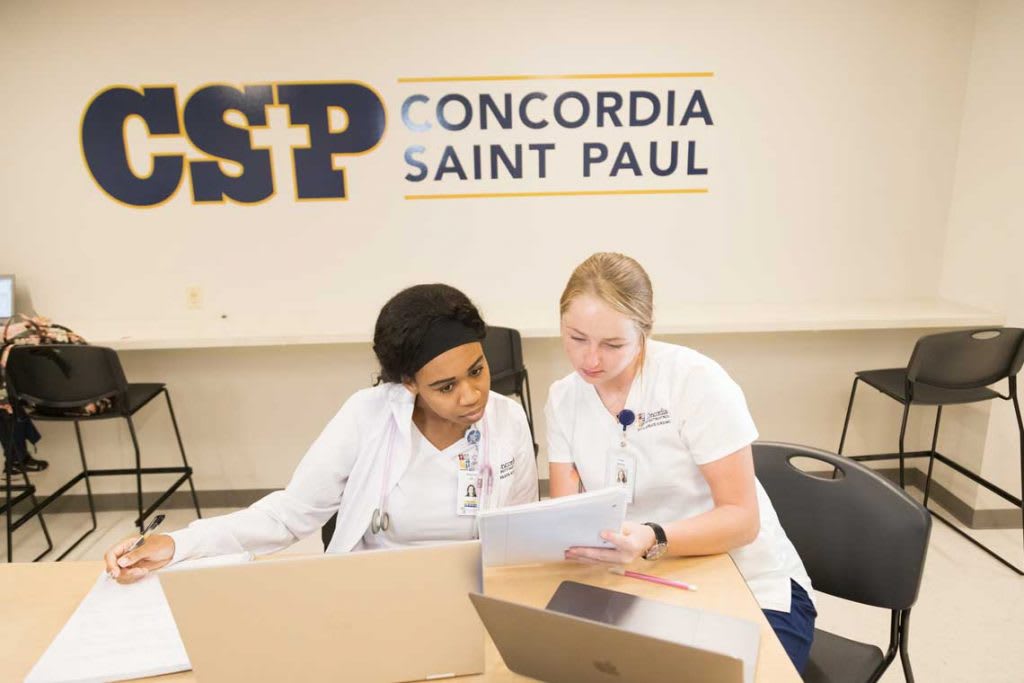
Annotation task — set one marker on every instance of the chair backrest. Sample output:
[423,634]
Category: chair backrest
[62,376]
[967,359]
[861,537]
[327,530]
[503,348]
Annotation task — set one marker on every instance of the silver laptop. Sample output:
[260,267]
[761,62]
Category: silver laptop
[378,616]
[590,634]
[6,297]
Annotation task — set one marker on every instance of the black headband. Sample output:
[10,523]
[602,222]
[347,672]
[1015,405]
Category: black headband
[444,334]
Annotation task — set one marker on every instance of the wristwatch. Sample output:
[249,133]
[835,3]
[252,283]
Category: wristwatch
[660,542]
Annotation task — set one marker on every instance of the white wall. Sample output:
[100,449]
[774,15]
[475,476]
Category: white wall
[247,415]
[986,220]
[832,162]
[830,158]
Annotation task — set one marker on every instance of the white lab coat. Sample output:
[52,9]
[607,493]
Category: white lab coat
[342,472]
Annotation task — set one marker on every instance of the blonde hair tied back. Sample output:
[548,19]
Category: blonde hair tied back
[620,282]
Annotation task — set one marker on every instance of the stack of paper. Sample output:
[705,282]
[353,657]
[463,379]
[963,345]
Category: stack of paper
[120,632]
[541,532]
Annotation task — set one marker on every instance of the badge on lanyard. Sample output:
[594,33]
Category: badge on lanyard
[468,494]
[620,461]
[469,482]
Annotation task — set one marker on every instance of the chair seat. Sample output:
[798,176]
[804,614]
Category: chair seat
[141,394]
[138,395]
[835,659]
[893,383]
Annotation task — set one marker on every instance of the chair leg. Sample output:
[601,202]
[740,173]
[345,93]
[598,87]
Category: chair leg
[85,469]
[181,447]
[903,433]
[849,410]
[46,532]
[42,522]
[890,653]
[1020,433]
[9,508]
[10,504]
[528,405]
[908,672]
[140,522]
[931,455]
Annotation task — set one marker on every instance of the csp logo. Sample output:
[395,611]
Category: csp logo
[218,121]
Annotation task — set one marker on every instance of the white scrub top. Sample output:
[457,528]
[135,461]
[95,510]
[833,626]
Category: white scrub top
[689,413]
[344,470]
[422,506]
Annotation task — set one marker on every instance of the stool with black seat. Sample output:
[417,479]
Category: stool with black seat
[503,348]
[951,368]
[58,382]
[861,538]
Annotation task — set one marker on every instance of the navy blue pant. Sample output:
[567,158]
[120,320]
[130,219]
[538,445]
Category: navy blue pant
[24,433]
[795,628]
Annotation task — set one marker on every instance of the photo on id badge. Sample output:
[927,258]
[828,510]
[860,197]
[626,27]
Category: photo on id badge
[621,470]
[467,494]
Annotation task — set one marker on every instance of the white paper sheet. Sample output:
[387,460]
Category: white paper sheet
[120,632]
[541,532]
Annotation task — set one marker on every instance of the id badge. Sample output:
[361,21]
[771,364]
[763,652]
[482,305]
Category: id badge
[467,493]
[469,487]
[620,470]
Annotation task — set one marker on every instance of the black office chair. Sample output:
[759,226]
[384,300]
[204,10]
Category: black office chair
[55,383]
[946,369]
[861,538]
[503,348]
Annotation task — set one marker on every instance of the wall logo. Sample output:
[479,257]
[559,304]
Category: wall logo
[461,137]
[341,118]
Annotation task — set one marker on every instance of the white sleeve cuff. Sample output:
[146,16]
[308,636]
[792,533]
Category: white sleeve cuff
[185,544]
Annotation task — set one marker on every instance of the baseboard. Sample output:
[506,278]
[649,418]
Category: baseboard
[236,498]
[112,502]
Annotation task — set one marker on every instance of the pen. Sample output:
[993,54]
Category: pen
[622,571]
[149,527]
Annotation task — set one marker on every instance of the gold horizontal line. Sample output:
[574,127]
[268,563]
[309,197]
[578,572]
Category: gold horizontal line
[554,77]
[565,193]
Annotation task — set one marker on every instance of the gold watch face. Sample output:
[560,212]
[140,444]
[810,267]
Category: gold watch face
[656,551]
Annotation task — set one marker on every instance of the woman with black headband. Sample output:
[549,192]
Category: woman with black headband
[409,461]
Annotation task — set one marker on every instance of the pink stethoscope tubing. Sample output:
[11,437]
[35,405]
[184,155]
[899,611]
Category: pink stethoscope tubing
[381,520]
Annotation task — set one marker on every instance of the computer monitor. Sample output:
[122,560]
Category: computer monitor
[6,297]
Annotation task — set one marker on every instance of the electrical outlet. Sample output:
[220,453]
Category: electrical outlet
[193,298]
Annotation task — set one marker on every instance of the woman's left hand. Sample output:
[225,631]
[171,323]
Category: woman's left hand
[631,543]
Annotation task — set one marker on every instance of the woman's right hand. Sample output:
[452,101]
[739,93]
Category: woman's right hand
[127,567]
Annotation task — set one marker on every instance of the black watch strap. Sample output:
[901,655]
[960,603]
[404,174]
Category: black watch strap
[659,533]
[660,542]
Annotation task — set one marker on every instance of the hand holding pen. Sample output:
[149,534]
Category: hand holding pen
[136,556]
[149,527]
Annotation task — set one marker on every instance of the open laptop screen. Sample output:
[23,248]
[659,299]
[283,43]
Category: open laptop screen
[6,296]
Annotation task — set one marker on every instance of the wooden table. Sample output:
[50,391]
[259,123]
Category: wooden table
[36,600]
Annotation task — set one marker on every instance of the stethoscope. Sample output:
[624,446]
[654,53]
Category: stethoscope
[381,520]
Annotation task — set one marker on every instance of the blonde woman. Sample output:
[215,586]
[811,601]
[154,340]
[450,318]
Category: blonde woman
[678,426]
